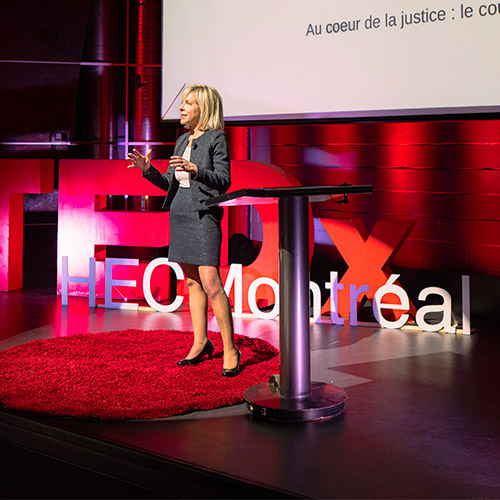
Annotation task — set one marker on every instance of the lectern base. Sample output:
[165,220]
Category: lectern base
[326,401]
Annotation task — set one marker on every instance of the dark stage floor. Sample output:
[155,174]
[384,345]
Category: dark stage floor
[422,421]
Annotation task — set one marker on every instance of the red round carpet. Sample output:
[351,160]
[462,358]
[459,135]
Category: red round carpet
[130,374]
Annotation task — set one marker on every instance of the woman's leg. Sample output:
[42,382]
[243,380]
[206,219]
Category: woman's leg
[198,307]
[212,285]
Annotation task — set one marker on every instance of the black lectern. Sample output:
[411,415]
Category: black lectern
[292,396]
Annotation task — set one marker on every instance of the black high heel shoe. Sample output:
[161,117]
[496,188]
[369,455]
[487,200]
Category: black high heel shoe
[232,372]
[208,349]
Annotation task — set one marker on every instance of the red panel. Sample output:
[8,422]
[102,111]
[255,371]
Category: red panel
[395,204]
[461,232]
[437,132]
[486,207]
[477,181]
[18,177]
[12,244]
[238,142]
[450,156]
[481,258]
[433,255]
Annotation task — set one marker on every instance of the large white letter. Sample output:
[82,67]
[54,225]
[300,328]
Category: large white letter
[146,285]
[316,300]
[334,286]
[444,308]
[354,293]
[466,305]
[110,282]
[235,275]
[390,287]
[252,289]
[65,279]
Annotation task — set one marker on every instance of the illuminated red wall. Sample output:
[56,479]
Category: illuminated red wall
[444,175]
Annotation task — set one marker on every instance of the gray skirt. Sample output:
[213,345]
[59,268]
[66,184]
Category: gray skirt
[195,236]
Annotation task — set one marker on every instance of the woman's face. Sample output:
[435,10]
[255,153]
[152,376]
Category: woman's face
[190,111]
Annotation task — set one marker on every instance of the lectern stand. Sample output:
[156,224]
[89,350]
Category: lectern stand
[292,396]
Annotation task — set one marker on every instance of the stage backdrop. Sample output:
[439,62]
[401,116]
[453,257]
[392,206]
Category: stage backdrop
[434,186]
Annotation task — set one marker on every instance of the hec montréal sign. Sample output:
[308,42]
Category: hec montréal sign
[233,284]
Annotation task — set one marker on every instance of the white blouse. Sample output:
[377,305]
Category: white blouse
[181,175]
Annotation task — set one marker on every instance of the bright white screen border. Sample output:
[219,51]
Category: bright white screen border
[260,57]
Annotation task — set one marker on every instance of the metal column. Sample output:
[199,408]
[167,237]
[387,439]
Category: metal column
[295,353]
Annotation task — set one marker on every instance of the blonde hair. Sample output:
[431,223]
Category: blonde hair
[210,102]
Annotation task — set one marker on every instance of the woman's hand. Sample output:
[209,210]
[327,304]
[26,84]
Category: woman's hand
[181,164]
[140,161]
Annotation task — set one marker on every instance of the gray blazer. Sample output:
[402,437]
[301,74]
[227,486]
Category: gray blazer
[210,152]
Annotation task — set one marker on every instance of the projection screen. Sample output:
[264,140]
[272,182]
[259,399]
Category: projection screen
[315,59]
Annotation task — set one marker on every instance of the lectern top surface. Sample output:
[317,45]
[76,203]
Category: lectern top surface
[255,196]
